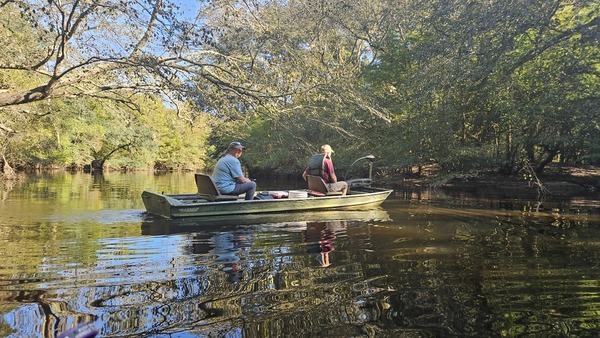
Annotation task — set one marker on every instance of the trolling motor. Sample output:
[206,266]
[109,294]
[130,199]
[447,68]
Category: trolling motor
[361,182]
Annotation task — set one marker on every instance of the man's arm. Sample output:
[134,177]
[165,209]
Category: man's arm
[236,172]
[328,167]
[333,178]
[242,179]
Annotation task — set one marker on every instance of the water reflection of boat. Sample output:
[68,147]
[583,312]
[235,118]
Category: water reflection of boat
[290,221]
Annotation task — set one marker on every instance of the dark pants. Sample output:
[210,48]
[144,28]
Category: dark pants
[247,187]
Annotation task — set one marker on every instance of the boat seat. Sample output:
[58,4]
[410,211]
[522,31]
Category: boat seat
[207,189]
[318,185]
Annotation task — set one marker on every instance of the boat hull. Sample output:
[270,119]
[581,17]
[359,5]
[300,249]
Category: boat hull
[189,205]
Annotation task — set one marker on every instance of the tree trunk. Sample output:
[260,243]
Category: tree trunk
[97,166]
[551,154]
[7,170]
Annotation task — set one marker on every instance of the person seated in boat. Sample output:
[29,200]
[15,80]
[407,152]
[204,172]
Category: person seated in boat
[322,165]
[228,175]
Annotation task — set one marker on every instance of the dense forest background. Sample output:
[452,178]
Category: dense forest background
[467,86]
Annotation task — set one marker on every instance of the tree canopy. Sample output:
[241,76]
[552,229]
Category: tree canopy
[466,85]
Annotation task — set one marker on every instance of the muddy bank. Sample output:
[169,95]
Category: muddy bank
[556,182]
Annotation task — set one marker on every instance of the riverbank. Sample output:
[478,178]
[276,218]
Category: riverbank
[556,182]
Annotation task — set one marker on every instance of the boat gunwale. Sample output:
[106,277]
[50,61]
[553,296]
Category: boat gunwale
[201,201]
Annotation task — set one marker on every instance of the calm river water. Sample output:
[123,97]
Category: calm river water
[78,248]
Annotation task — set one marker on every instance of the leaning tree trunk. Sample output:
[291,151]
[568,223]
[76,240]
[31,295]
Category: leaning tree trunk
[7,170]
[544,162]
[97,165]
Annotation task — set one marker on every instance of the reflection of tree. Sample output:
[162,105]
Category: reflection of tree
[433,274]
[7,186]
[53,313]
[506,273]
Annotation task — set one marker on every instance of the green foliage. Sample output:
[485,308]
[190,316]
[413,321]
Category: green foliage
[466,85]
[490,86]
[179,144]
[84,132]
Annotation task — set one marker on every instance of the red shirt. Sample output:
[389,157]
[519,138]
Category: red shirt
[328,170]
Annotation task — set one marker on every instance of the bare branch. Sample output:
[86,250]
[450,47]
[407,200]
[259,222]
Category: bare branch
[144,40]
[5,128]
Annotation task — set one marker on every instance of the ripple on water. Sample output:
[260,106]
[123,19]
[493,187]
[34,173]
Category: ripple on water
[108,261]
[99,216]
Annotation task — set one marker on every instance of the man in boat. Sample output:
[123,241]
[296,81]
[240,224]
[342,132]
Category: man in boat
[322,165]
[228,175]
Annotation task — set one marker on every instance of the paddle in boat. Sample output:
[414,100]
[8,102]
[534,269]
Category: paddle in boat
[209,202]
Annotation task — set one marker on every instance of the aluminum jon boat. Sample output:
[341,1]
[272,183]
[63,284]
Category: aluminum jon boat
[208,201]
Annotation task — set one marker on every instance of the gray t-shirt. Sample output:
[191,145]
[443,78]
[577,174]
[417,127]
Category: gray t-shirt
[227,170]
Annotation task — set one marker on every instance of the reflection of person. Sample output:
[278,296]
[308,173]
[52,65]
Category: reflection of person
[234,274]
[322,165]
[326,248]
[320,236]
[228,175]
[225,247]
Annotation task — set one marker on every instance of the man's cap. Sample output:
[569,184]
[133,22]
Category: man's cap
[326,148]
[236,145]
